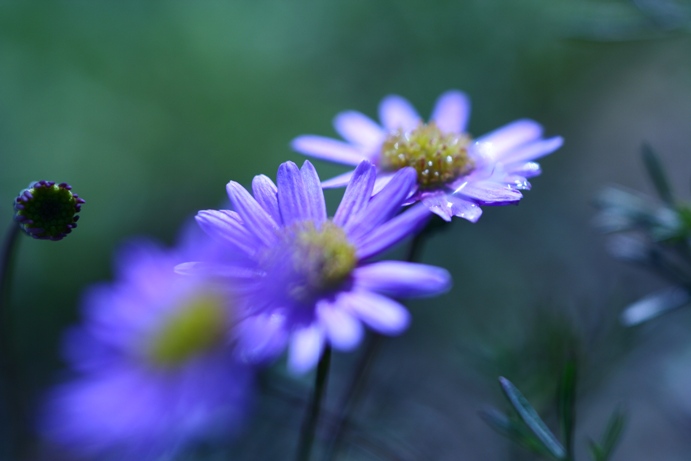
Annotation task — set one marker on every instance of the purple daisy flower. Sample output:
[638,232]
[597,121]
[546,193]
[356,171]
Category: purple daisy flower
[310,279]
[155,363]
[455,174]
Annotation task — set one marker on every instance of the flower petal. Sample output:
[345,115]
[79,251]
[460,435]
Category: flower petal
[306,347]
[502,140]
[396,113]
[238,273]
[388,234]
[338,181]
[527,170]
[385,204]
[382,180]
[328,149]
[256,219]
[533,150]
[293,200]
[261,337]
[359,129]
[357,194]
[266,194]
[517,182]
[447,205]
[342,329]
[379,312]
[313,192]
[226,226]
[451,112]
[402,279]
[489,193]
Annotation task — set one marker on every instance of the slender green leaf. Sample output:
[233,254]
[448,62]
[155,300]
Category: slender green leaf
[567,404]
[596,451]
[612,434]
[516,432]
[503,425]
[657,174]
[532,419]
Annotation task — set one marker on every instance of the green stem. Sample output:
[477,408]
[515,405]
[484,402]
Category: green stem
[6,264]
[364,364]
[309,426]
[14,395]
[352,397]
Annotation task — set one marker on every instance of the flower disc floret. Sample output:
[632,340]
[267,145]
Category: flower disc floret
[319,259]
[196,328]
[437,157]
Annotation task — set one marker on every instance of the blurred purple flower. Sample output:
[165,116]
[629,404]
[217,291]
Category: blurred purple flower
[155,360]
[310,278]
[455,174]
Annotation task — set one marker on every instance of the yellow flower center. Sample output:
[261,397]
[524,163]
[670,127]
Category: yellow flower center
[195,328]
[310,261]
[437,157]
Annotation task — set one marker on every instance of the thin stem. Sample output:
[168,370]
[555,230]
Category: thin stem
[309,426]
[6,264]
[10,371]
[567,404]
[353,394]
[364,364]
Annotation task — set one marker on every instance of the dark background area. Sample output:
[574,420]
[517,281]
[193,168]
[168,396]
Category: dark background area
[149,108]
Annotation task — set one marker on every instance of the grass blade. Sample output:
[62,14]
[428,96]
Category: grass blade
[532,419]
[657,174]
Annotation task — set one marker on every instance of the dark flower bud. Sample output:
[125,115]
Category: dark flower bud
[46,210]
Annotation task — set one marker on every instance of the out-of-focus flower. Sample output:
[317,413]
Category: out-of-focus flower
[46,210]
[155,360]
[455,174]
[623,210]
[310,278]
[655,234]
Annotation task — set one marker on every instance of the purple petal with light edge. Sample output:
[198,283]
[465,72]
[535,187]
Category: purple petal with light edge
[237,273]
[533,150]
[342,330]
[396,113]
[379,312]
[451,112]
[293,200]
[226,226]
[261,337]
[510,136]
[383,178]
[306,345]
[357,194]
[252,214]
[266,194]
[401,279]
[385,204]
[390,233]
[527,170]
[328,149]
[313,192]
[337,181]
[359,129]
[489,193]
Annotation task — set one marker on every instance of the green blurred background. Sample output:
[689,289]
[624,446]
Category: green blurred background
[149,108]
